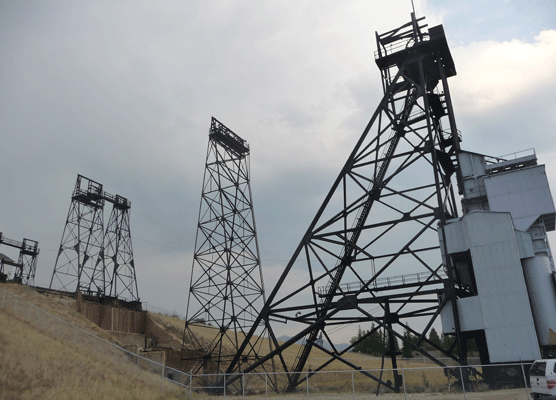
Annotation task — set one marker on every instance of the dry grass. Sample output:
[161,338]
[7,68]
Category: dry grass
[60,307]
[41,357]
[34,365]
[428,380]
[317,357]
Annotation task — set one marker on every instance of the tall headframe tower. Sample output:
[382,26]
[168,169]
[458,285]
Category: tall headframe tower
[82,244]
[226,290]
[371,253]
[91,260]
[119,265]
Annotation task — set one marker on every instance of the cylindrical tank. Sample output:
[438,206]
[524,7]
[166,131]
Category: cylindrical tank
[542,294]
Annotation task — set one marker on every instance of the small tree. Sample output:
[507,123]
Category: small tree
[375,342]
[435,339]
[358,347]
[448,341]
[407,348]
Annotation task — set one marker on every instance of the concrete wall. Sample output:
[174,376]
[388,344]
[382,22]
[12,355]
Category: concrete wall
[112,318]
[130,327]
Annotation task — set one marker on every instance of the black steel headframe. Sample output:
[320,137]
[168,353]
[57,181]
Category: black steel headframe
[82,241]
[226,291]
[371,253]
[91,260]
[26,265]
[119,264]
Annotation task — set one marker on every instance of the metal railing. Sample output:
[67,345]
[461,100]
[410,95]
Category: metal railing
[399,45]
[459,382]
[385,282]
[510,157]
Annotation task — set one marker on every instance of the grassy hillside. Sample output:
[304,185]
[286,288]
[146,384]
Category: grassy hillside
[317,357]
[337,382]
[34,365]
[62,308]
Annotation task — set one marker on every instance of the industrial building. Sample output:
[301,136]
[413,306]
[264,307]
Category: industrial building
[503,266]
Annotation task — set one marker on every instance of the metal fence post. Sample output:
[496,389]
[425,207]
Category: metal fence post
[243,385]
[190,381]
[224,386]
[307,379]
[403,382]
[525,380]
[352,384]
[266,385]
[462,382]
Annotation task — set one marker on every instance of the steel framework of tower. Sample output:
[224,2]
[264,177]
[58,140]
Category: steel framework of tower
[369,254]
[82,241]
[119,265]
[90,260]
[226,290]
[26,265]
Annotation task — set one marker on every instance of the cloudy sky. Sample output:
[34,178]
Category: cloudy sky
[123,92]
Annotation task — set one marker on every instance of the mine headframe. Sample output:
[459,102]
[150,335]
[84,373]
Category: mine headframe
[371,253]
[226,291]
[119,264]
[26,265]
[91,260]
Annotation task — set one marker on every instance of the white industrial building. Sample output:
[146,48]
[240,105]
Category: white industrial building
[503,266]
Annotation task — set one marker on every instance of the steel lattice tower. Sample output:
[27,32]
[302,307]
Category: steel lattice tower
[82,241]
[28,257]
[91,260]
[118,261]
[26,265]
[226,290]
[371,253]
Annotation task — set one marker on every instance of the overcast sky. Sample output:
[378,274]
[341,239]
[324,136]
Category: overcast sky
[123,92]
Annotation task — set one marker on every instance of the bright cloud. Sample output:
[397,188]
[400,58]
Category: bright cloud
[493,74]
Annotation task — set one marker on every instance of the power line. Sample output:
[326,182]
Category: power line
[162,245]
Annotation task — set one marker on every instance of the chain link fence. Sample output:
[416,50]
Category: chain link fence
[465,383]
[451,382]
